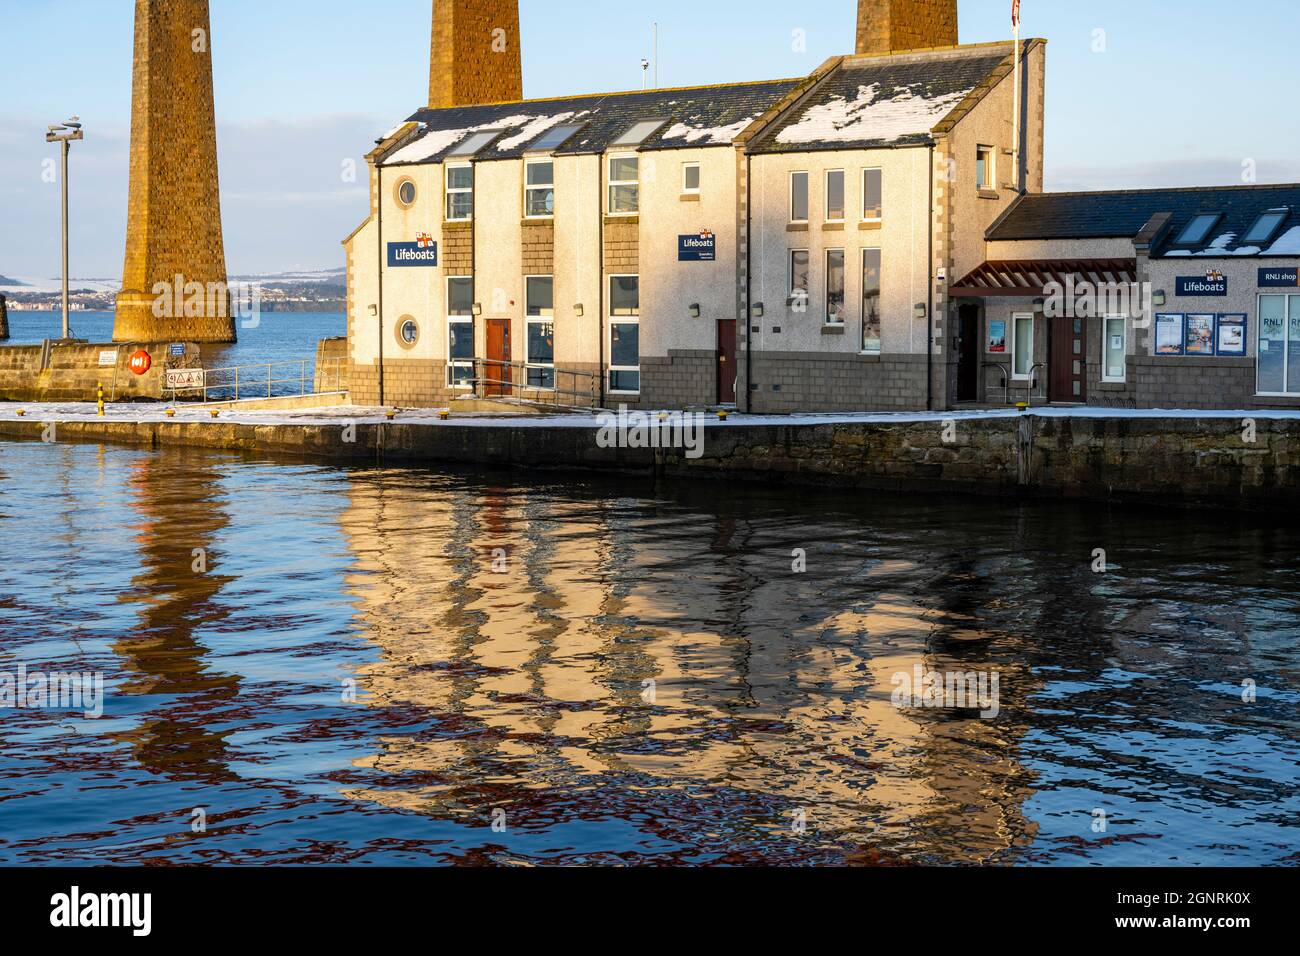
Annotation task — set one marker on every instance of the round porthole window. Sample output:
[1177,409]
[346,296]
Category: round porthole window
[408,332]
[406,193]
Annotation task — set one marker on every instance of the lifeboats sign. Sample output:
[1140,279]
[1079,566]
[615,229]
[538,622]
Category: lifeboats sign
[422,252]
[697,248]
[1211,284]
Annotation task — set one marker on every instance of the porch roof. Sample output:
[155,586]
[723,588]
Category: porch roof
[1029,277]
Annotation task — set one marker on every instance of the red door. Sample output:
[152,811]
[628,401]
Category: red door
[1067,377]
[726,361]
[497,367]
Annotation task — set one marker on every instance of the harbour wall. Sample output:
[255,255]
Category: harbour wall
[1165,461]
[56,372]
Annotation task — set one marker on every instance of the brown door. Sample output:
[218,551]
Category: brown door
[497,367]
[1067,378]
[968,354]
[727,361]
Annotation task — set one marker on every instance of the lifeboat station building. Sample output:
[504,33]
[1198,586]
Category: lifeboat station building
[1213,321]
[777,246]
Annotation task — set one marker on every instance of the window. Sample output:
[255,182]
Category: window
[985,171]
[871,301]
[691,179]
[835,195]
[406,194]
[554,138]
[1022,345]
[1279,345]
[408,332]
[624,334]
[460,193]
[873,195]
[798,197]
[638,134]
[834,286]
[799,289]
[471,146]
[460,331]
[1265,227]
[624,186]
[539,189]
[1198,229]
[1114,333]
[539,306]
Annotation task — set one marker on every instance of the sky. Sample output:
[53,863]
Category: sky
[1139,93]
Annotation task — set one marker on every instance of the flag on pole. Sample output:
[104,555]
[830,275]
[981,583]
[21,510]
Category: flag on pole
[1015,13]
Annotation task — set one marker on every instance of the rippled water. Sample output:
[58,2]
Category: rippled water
[501,635]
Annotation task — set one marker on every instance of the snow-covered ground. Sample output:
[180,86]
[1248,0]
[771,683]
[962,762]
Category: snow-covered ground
[76,411]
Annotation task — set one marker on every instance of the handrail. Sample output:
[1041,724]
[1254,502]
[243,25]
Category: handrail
[246,378]
[1006,379]
[493,378]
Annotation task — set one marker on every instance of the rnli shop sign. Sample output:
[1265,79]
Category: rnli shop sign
[422,252]
[1282,277]
[697,248]
[1211,284]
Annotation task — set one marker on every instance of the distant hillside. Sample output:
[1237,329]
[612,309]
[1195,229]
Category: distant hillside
[4,281]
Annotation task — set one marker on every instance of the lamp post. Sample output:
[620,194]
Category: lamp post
[65,133]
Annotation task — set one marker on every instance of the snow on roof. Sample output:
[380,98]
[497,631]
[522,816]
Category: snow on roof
[536,128]
[439,140]
[711,135]
[874,115]
[1287,244]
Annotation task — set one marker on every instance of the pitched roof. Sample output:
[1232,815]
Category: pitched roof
[1124,213]
[692,117]
[884,101]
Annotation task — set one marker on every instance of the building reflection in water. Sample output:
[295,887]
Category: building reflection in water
[575,651]
[178,515]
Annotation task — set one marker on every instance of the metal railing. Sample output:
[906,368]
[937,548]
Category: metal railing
[289,379]
[492,378]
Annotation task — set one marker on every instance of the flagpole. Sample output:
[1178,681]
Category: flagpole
[1015,118]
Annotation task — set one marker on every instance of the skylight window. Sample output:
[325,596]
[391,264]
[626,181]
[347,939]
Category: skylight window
[554,138]
[1265,227]
[638,134]
[1198,229]
[473,144]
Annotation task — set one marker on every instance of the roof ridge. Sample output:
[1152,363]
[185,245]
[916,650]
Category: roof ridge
[1164,189]
[952,51]
[600,96]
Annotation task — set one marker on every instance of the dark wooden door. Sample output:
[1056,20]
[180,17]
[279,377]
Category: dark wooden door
[497,366]
[1067,378]
[727,361]
[968,354]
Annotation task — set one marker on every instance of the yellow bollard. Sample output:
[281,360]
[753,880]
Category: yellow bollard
[390,415]
[20,413]
[214,413]
[444,414]
[722,415]
[99,388]
[171,413]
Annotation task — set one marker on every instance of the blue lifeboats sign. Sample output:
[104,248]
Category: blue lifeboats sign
[697,248]
[412,254]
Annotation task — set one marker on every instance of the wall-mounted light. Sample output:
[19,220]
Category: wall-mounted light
[757,310]
[1038,305]
[374,310]
[695,310]
[920,310]
[477,308]
[1158,298]
[577,309]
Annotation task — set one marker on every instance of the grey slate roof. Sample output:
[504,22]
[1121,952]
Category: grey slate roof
[1122,214]
[874,102]
[700,116]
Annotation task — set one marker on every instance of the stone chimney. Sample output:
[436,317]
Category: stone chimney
[894,26]
[475,56]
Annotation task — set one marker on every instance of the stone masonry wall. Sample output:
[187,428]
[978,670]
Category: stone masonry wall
[888,26]
[71,373]
[789,382]
[475,54]
[686,377]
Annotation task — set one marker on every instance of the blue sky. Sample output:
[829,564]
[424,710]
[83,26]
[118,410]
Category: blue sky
[1182,94]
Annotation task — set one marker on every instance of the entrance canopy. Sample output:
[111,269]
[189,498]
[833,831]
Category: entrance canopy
[1029,277]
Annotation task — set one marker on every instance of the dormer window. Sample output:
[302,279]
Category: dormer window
[1198,229]
[1265,227]
[471,146]
[637,135]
